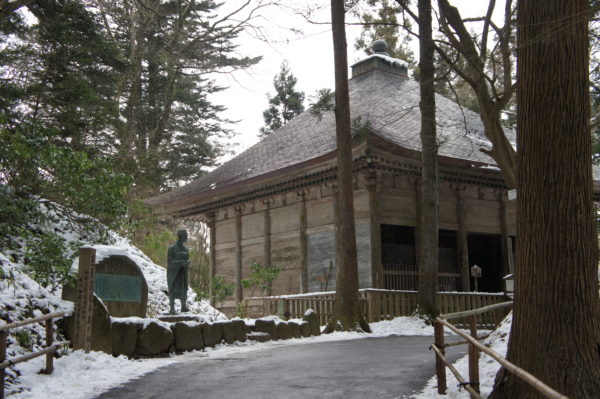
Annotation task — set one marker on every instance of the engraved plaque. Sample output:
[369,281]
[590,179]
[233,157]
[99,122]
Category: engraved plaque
[118,287]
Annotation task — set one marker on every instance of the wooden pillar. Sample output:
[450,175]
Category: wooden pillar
[212,265]
[373,186]
[418,221]
[239,294]
[463,244]
[504,234]
[267,238]
[85,299]
[303,242]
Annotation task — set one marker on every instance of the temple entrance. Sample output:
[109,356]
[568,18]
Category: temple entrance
[485,251]
[398,257]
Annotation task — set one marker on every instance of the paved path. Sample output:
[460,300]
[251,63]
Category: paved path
[390,367]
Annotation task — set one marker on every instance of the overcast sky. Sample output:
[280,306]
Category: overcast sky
[308,49]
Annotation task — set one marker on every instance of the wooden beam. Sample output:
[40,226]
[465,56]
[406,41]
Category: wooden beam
[504,233]
[267,237]
[463,244]
[303,241]
[373,185]
[212,266]
[239,293]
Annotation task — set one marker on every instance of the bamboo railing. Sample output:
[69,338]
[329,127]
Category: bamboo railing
[48,350]
[472,385]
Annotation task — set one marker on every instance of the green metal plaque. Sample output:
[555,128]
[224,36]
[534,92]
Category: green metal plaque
[118,287]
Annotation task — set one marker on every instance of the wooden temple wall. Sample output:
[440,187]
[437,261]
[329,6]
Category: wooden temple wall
[295,230]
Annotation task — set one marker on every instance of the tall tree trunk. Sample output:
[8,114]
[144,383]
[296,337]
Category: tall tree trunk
[556,322]
[347,310]
[428,257]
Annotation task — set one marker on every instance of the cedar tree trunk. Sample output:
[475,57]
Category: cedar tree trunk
[348,315]
[428,249]
[556,322]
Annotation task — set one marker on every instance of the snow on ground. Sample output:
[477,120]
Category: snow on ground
[83,376]
[488,368]
[21,297]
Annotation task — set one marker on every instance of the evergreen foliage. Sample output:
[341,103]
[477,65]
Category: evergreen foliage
[285,104]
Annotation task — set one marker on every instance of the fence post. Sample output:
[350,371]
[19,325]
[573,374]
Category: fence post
[85,299]
[3,336]
[440,367]
[49,342]
[370,307]
[473,357]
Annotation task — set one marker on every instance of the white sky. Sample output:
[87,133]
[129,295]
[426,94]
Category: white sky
[309,54]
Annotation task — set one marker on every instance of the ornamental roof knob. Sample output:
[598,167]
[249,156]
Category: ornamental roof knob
[379,47]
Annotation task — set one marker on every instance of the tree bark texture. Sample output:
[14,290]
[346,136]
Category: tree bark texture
[347,310]
[428,259]
[556,322]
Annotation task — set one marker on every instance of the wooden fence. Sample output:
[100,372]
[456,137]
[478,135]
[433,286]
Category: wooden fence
[376,304]
[48,350]
[472,385]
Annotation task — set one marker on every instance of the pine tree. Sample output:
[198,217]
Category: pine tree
[285,104]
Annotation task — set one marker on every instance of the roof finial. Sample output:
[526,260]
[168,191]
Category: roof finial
[379,47]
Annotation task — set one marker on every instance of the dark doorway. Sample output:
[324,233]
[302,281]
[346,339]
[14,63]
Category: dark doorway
[398,257]
[485,251]
[448,268]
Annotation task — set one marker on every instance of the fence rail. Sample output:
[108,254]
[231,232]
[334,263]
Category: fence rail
[472,385]
[376,304]
[49,350]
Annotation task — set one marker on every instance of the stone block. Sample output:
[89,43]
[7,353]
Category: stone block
[212,333]
[305,329]
[284,331]
[188,336]
[295,329]
[124,337]
[313,322]
[259,336]
[266,326]
[233,330]
[153,339]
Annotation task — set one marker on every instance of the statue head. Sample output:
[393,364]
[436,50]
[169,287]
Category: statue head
[182,235]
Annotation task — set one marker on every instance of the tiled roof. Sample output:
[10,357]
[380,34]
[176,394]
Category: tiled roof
[388,103]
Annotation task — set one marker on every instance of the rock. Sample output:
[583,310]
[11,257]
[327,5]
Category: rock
[233,330]
[295,328]
[313,322]
[266,326]
[259,336]
[284,331]
[212,334]
[188,335]
[304,329]
[154,338]
[124,337]
[101,327]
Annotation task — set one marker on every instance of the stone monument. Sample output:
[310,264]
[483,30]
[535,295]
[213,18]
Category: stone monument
[178,261]
[122,286]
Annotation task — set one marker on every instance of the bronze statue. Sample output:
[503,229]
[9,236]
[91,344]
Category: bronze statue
[178,260]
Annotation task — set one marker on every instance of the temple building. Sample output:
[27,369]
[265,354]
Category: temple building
[273,203]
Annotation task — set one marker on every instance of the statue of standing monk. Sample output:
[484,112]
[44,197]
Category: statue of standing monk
[178,261]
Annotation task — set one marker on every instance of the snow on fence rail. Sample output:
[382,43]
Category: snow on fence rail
[376,304]
[472,386]
[48,350]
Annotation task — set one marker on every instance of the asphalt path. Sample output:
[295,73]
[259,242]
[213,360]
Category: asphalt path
[389,367]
